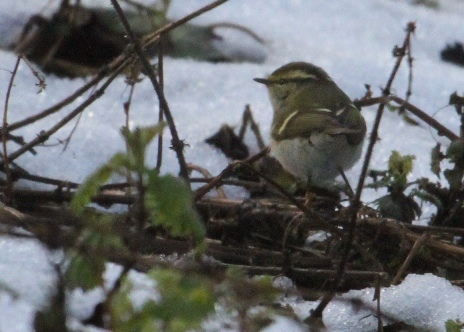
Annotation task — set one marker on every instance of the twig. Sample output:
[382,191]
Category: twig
[442,130]
[226,172]
[356,202]
[414,250]
[248,118]
[67,140]
[397,228]
[43,136]
[177,144]
[349,189]
[206,174]
[79,92]
[159,156]
[436,229]
[42,84]
[34,196]
[23,174]
[152,37]
[238,27]
[131,81]
[410,60]
[120,62]
[6,162]
[232,182]
[279,188]
[378,287]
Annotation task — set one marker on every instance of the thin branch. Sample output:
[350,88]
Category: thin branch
[248,118]
[24,175]
[378,287]
[226,172]
[442,130]
[356,202]
[131,81]
[177,144]
[67,140]
[414,250]
[233,182]
[61,104]
[45,135]
[192,167]
[410,60]
[159,156]
[238,27]
[154,36]
[6,160]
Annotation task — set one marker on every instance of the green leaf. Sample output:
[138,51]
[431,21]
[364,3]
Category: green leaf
[185,299]
[85,272]
[183,303]
[170,202]
[137,142]
[453,326]
[124,317]
[88,257]
[399,167]
[242,294]
[99,235]
[93,182]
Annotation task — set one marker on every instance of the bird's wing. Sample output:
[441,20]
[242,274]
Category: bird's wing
[305,123]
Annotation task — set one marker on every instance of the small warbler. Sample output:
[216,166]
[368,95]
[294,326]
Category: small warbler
[316,131]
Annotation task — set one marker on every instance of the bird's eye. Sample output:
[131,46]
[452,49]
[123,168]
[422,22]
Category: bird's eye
[281,81]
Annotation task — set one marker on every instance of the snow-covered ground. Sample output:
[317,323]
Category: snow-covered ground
[351,40]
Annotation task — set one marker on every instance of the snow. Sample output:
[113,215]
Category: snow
[351,40]
[424,301]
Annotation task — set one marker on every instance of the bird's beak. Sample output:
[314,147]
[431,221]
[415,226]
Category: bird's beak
[261,80]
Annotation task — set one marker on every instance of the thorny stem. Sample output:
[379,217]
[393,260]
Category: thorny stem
[356,202]
[410,61]
[177,144]
[6,166]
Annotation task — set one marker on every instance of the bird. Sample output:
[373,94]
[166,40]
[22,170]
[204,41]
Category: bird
[317,132]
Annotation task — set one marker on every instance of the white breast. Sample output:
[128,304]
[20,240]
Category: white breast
[317,162]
